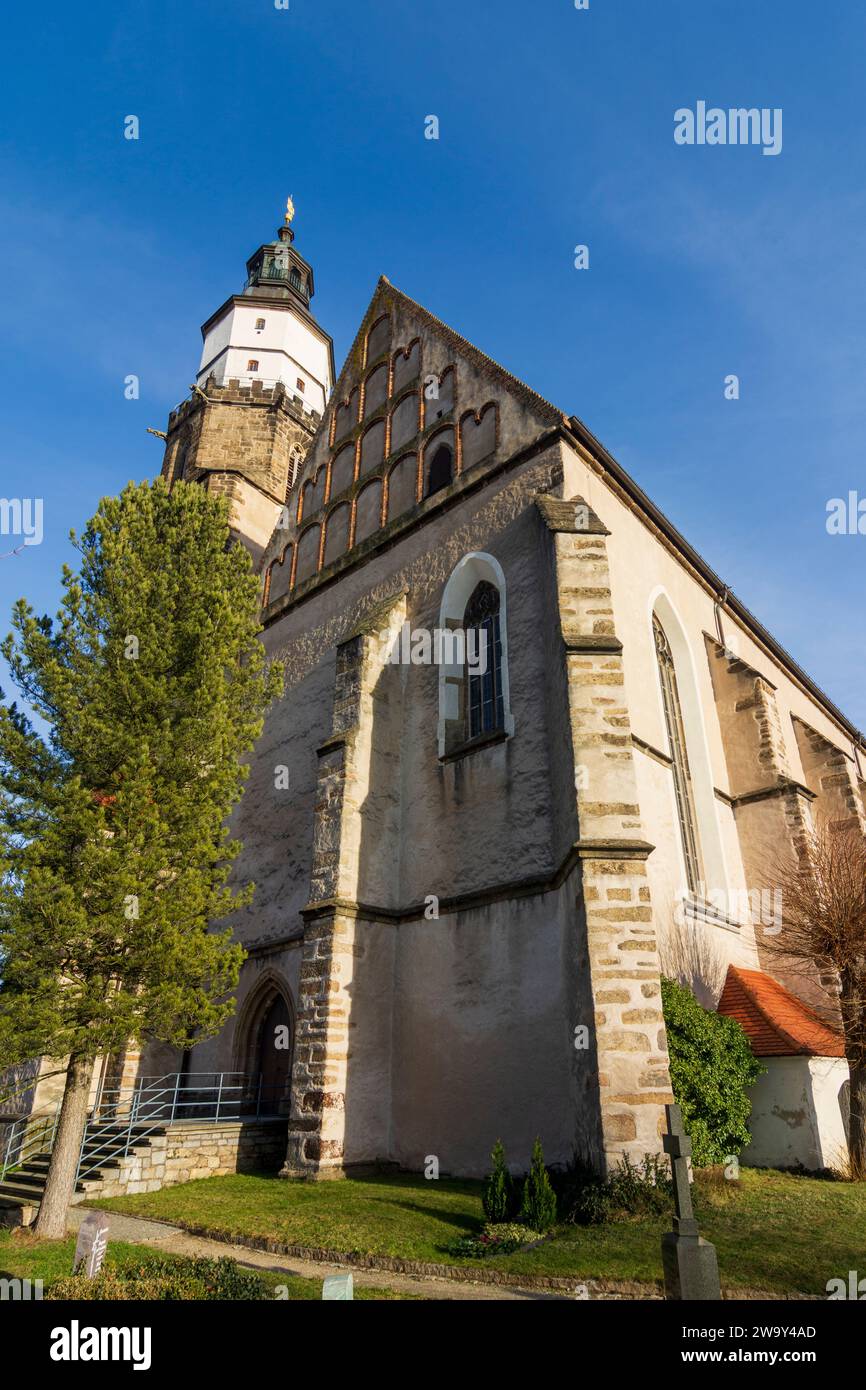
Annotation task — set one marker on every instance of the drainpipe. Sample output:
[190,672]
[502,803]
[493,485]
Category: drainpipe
[718,604]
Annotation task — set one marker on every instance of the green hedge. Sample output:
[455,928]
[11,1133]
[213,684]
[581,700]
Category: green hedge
[712,1066]
[179,1278]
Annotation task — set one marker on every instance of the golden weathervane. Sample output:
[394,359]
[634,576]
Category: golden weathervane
[290,209]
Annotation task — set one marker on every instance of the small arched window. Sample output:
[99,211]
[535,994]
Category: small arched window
[484,704]
[474,696]
[440,472]
[679,757]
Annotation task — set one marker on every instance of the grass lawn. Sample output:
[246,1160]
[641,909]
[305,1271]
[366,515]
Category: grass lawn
[49,1260]
[772,1231]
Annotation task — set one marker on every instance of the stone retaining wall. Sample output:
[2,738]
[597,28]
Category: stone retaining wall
[193,1150]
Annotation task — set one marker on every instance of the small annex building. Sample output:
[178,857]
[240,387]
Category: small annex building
[800,1104]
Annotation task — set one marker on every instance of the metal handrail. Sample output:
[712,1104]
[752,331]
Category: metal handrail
[145,1109]
[109,1148]
[185,1093]
[288,275]
[123,1116]
[26,1138]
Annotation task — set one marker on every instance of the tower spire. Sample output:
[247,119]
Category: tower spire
[263,382]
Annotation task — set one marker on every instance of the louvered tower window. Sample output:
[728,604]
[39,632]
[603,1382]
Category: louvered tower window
[679,756]
[294,463]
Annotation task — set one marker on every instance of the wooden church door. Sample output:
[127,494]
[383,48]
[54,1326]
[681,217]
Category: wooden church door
[275,1055]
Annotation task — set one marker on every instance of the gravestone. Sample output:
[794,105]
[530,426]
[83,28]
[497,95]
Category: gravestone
[339,1287]
[91,1245]
[690,1264]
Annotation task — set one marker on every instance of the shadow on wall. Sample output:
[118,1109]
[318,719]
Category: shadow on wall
[844,1102]
[688,955]
[20,1081]
[435,1065]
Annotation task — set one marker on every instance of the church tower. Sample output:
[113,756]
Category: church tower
[265,376]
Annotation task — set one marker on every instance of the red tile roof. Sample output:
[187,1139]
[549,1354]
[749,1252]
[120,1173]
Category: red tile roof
[776,1023]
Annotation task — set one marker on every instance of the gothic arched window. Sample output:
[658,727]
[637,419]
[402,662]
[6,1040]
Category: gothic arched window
[484,704]
[440,470]
[474,695]
[679,757]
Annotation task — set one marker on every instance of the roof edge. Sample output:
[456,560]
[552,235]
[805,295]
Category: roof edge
[746,982]
[725,595]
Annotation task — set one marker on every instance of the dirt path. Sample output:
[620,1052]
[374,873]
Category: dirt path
[175,1241]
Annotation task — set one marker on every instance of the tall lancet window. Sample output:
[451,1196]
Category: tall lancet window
[484,704]
[679,755]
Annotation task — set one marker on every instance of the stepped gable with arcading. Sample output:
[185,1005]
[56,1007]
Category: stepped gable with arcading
[416,414]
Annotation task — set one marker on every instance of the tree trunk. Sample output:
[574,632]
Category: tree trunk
[852,1004]
[857,1123]
[54,1210]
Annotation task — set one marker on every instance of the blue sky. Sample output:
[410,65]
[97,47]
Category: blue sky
[556,128]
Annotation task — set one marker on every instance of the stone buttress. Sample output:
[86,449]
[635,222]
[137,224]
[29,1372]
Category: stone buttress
[334,947]
[613,901]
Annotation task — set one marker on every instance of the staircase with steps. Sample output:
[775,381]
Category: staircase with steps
[162,1130]
[23,1186]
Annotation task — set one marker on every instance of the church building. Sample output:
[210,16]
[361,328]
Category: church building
[532,754]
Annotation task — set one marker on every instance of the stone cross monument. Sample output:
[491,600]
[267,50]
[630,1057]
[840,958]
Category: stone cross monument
[690,1265]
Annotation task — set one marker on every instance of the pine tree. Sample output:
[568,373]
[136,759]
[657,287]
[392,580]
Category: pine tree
[497,1197]
[538,1210]
[114,852]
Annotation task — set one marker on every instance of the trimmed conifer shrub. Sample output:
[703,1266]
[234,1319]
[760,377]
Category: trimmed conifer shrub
[538,1209]
[498,1195]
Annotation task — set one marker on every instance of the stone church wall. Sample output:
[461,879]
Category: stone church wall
[425,828]
[552,859]
[511,838]
[487,1002]
[750,710]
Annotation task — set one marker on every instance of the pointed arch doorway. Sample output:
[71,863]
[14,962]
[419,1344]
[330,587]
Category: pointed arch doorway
[274,1058]
[266,1046]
